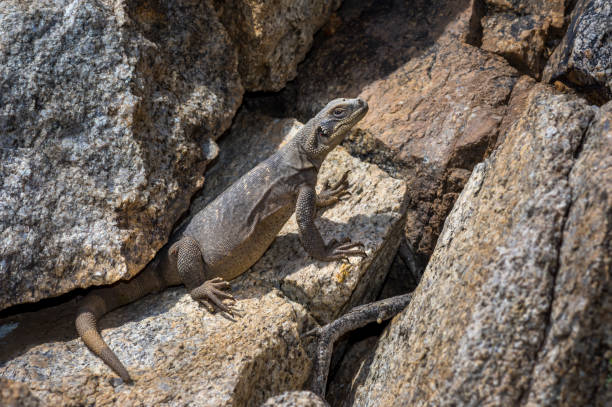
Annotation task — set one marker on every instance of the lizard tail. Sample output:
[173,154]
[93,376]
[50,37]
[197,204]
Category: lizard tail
[87,328]
[103,300]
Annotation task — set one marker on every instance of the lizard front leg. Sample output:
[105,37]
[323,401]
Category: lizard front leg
[311,238]
[333,193]
[192,271]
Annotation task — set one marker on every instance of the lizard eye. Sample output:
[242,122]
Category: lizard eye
[338,112]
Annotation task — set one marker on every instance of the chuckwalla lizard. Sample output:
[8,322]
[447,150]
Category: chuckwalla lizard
[230,234]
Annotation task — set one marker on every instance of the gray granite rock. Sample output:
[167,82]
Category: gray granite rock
[107,114]
[177,352]
[272,36]
[583,59]
[574,364]
[15,394]
[505,313]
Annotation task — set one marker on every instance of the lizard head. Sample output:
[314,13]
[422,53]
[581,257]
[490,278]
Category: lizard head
[331,124]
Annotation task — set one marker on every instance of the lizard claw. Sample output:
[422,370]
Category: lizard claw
[342,250]
[210,294]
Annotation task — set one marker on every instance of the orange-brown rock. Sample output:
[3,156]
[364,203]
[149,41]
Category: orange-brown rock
[370,41]
[520,31]
[15,394]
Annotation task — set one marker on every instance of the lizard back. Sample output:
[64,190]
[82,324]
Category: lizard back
[237,227]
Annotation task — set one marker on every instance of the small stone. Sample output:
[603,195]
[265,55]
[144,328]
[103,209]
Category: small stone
[295,399]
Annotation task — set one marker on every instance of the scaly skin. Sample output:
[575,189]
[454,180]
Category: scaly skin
[229,235]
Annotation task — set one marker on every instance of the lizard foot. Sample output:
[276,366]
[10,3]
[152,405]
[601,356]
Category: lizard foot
[342,250]
[212,293]
[333,193]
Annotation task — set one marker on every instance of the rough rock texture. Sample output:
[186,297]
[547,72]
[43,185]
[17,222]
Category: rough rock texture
[108,114]
[433,120]
[435,102]
[177,352]
[272,37]
[572,362]
[583,59]
[513,308]
[295,399]
[15,394]
[373,39]
[521,31]
[517,105]
[107,111]
[519,39]
[372,215]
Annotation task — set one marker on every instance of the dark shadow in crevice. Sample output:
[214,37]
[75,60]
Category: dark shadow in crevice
[358,346]
[479,10]
[353,353]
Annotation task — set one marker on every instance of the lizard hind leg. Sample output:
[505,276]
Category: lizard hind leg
[192,271]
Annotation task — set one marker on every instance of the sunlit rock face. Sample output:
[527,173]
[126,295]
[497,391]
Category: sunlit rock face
[107,116]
